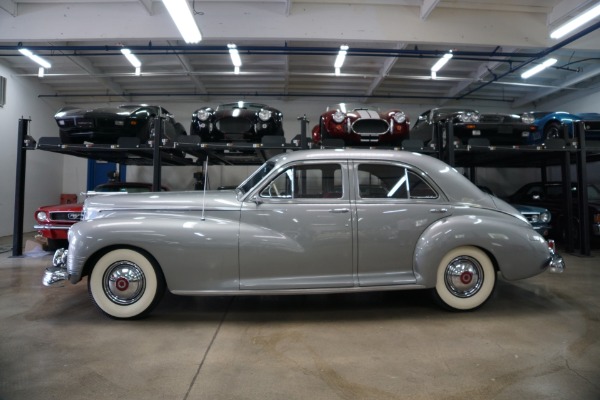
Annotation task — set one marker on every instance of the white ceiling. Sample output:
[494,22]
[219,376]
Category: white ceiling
[288,48]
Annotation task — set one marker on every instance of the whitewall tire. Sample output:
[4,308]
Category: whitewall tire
[465,279]
[125,283]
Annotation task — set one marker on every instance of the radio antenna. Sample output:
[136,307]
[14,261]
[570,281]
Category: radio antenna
[205,170]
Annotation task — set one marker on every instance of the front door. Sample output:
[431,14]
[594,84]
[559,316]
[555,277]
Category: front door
[296,231]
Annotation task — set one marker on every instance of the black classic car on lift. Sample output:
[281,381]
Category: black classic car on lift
[497,128]
[106,125]
[240,122]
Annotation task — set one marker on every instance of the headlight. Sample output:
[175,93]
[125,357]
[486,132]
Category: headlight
[545,217]
[338,116]
[527,118]
[41,216]
[264,115]
[470,117]
[400,117]
[535,218]
[203,115]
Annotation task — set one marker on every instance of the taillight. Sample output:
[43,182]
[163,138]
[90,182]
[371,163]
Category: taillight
[551,246]
[597,218]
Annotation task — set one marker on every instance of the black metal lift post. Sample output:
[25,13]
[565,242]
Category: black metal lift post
[17,247]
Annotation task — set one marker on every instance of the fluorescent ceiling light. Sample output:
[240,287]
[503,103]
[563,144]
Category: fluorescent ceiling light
[538,68]
[338,72]
[236,70]
[575,23]
[235,55]
[184,20]
[131,58]
[35,58]
[339,60]
[441,62]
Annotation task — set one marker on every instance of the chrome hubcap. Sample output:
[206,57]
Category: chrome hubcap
[464,276]
[124,282]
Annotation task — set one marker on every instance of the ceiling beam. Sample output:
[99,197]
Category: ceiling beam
[9,6]
[384,71]
[93,72]
[579,77]
[147,5]
[565,10]
[427,7]
[482,70]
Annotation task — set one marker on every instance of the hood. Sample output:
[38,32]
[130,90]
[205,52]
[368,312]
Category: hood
[212,200]
[366,114]
[70,112]
[72,207]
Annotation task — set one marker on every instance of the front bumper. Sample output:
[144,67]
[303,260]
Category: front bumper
[57,274]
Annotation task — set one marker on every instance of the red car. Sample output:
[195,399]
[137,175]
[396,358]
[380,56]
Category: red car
[359,125]
[53,222]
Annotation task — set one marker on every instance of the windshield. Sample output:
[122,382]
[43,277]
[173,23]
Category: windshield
[241,104]
[347,107]
[256,177]
[444,112]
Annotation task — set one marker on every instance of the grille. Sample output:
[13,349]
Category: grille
[65,216]
[234,125]
[84,122]
[491,118]
[370,127]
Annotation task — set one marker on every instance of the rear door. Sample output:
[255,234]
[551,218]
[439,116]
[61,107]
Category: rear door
[394,206]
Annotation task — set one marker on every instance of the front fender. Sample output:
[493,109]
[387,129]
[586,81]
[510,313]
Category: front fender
[194,253]
[516,250]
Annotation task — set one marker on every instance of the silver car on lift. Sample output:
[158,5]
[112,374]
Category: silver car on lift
[316,221]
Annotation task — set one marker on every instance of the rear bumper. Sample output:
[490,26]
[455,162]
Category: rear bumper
[556,264]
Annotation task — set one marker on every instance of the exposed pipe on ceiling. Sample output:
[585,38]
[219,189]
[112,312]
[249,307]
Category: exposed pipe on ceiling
[541,54]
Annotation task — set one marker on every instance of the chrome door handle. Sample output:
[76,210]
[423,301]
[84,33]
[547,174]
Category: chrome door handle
[438,210]
[339,210]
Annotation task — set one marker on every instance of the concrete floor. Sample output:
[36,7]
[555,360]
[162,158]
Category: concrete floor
[535,339]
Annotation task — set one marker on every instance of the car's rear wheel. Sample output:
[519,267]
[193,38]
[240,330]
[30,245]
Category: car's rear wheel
[465,279]
[126,283]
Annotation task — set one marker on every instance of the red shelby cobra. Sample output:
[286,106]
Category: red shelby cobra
[359,125]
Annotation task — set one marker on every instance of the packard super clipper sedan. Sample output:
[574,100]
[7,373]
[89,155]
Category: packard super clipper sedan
[315,221]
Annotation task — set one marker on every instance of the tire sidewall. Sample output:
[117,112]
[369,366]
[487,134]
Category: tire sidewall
[140,307]
[483,294]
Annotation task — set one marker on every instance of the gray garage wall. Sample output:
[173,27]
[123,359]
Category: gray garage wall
[44,172]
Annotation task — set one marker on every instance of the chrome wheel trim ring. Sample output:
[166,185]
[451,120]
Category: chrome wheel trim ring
[463,276]
[124,282]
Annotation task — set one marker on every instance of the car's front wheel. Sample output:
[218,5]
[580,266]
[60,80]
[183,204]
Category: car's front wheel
[465,279]
[125,283]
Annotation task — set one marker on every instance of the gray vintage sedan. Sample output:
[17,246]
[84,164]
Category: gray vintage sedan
[315,221]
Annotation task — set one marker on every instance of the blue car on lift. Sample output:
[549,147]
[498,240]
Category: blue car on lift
[548,124]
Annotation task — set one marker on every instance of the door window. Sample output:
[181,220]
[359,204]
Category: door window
[312,181]
[386,181]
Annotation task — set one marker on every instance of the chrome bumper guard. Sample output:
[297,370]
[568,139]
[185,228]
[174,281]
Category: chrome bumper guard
[55,275]
[556,264]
